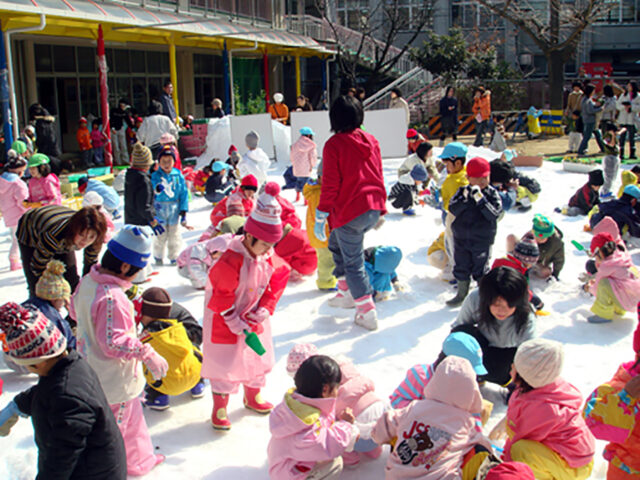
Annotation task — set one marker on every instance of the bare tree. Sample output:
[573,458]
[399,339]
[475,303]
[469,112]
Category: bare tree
[370,42]
[556,29]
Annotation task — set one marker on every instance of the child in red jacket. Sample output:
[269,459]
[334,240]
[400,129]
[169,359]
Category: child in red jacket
[295,249]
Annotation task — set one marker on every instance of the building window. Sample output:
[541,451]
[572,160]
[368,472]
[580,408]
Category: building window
[208,82]
[467,14]
[353,13]
[410,13]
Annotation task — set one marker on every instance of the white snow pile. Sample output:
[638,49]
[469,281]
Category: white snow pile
[412,326]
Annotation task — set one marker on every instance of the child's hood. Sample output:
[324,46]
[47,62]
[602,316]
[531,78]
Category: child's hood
[219,243]
[6,179]
[560,393]
[305,144]
[359,141]
[629,178]
[387,259]
[297,413]
[454,383]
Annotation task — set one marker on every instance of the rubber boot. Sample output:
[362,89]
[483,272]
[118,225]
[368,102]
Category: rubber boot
[219,418]
[253,401]
[15,264]
[463,290]
[297,197]
[343,298]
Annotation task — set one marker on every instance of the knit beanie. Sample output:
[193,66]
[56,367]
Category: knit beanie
[168,151]
[252,139]
[92,199]
[599,240]
[31,337]
[419,173]
[132,245]
[526,249]
[511,471]
[542,226]
[264,222]
[231,224]
[52,285]
[232,149]
[156,303]
[250,182]
[539,361]
[141,156]
[478,167]
[412,132]
[82,183]
[298,354]
[596,178]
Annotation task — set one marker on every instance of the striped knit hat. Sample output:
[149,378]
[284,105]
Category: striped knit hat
[264,222]
[31,337]
[141,156]
[52,285]
[526,250]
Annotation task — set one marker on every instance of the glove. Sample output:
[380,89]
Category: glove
[183,218]
[159,188]
[465,192]
[9,417]
[476,193]
[156,364]
[158,229]
[319,227]
[258,315]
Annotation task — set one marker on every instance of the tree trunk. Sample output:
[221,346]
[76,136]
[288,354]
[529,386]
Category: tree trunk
[555,65]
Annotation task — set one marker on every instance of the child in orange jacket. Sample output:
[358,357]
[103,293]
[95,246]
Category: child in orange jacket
[83,136]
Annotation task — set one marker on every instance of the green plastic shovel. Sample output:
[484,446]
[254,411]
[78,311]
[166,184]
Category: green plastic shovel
[253,342]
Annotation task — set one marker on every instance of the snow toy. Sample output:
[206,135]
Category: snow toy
[533,122]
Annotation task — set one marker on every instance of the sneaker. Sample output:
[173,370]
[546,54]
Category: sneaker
[409,212]
[161,402]
[198,390]
[342,299]
[598,319]
[158,260]
[368,320]
[173,262]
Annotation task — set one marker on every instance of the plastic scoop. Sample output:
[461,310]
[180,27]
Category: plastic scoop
[253,342]
[578,245]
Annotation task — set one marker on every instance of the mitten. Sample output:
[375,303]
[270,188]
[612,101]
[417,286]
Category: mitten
[476,193]
[9,417]
[183,218]
[159,188]
[156,364]
[258,315]
[158,229]
[319,227]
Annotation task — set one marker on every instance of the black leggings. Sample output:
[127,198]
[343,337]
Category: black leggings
[496,360]
[68,258]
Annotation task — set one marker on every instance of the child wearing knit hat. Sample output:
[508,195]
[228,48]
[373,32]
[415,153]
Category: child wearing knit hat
[75,431]
[404,194]
[243,289]
[107,329]
[138,191]
[170,338]
[544,424]
[241,201]
[587,196]
[551,248]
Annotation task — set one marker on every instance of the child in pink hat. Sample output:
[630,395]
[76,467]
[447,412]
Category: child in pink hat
[242,291]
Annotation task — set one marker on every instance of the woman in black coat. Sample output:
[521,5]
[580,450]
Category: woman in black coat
[449,115]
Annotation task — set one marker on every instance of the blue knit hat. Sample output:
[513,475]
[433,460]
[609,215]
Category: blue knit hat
[132,245]
[419,173]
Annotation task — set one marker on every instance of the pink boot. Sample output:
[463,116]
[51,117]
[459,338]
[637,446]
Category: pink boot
[351,459]
[343,298]
[253,401]
[366,315]
[219,415]
[15,264]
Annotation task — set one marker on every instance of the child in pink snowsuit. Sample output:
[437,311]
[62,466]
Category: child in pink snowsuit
[106,338]
[13,191]
[195,261]
[244,287]
[44,186]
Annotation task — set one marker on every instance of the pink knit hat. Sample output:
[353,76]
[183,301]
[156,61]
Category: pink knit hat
[264,222]
[298,354]
[31,337]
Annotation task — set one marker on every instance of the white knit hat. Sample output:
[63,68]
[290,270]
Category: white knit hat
[92,199]
[539,361]
[298,354]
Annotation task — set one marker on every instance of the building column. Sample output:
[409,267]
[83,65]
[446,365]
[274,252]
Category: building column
[298,79]
[174,73]
[265,67]
[31,86]
[186,94]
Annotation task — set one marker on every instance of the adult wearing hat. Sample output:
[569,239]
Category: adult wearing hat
[56,232]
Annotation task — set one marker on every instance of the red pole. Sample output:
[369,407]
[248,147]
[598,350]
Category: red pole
[265,66]
[104,98]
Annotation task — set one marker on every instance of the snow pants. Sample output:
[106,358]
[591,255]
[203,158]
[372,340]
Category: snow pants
[545,463]
[471,260]
[610,166]
[137,443]
[606,305]
[172,239]
[325,280]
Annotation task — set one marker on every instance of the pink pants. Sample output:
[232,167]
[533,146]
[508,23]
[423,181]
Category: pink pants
[14,251]
[137,443]
[227,387]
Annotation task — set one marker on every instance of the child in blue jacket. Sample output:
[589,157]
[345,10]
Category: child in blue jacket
[381,263]
[171,204]
[111,201]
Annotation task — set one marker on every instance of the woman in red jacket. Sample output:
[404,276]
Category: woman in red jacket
[353,200]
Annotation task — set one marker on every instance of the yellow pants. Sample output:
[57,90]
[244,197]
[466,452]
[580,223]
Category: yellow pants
[523,192]
[606,304]
[545,463]
[325,280]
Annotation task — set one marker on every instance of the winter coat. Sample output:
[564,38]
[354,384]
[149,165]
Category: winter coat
[435,434]
[404,193]
[628,178]
[446,114]
[196,259]
[612,415]
[380,264]
[412,145]
[451,184]
[574,102]
[552,416]
[173,200]
[54,317]
[107,336]
[609,109]
[295,249]
[279,110]
[356,391]
[288,215]
[508,197]
[98,138]
[585,198]
[624,117]
[304,432]
[311,193]
[476,222]
[352,178]
[304,156]
[74,427]
[482,106]
[119,118]
[589,110]
[199,179]
[153,127]
[138,198]
[552,252]
[412,387]
[83,136]
[505,335]
[217,187]
[191,325]
[408,164]
[13,191]
[168,108]
[234,204]
[45,190]
[111,199]
[400,102]
[623,276]
[238,284]
[255,162]
[621,211]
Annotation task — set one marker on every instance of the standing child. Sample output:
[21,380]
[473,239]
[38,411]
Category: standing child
[587,196]
[98,141]
[611,160]
[255,161]
[544,425]
[44,185]
[171,204]
[404,194]
[306,439]
[13,193]
[75,432]
[304,157]
[476,208]
[616,285]
[83,136]
[107,339]
[575,128]
[244,287]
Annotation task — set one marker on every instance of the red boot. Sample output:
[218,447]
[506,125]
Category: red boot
[297,197]
[219,415]
[253,400]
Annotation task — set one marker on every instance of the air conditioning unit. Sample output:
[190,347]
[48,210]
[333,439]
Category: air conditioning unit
[526,59]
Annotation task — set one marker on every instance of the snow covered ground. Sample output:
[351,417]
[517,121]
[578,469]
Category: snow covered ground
[412,326]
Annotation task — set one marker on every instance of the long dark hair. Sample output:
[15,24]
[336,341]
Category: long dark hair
[446,92]
[634,89]
[511,285]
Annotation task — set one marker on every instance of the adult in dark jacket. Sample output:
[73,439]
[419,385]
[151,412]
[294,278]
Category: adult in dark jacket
[138,190]
[622,211]
[120,119]
[75,430]
[46,135]
[587,196]
[449,115]
[166,99]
